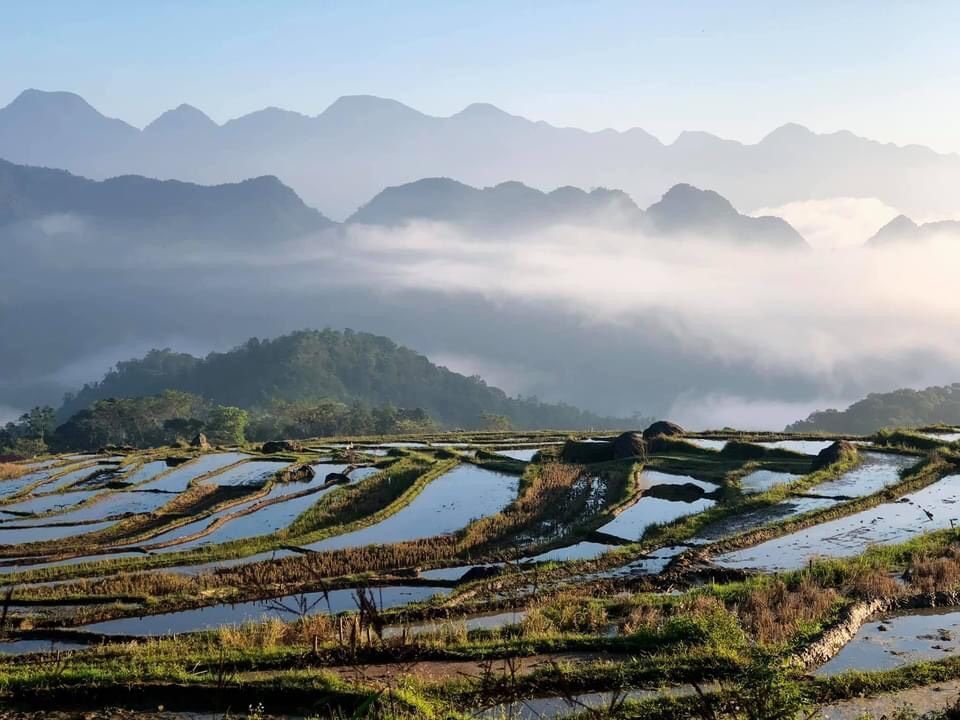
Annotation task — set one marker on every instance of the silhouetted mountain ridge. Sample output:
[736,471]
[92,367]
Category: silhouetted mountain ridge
[361,144]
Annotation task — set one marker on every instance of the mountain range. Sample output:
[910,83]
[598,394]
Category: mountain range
[361,144]
[140,210]
[902,230]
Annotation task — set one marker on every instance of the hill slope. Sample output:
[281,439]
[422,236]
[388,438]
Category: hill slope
[900,408]
[309,366]
[152,210]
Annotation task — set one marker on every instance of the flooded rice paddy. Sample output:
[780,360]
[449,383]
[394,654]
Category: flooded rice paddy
[288,608]
[447,504]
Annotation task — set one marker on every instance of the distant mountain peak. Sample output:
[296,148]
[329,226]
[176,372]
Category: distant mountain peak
[484,111]
[358,105]
[685,210]
[788,133]
[182,118]
[34,99]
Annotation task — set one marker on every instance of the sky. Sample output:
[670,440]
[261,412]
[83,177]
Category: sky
[885,70]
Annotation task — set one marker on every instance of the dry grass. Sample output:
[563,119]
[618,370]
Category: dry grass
[873,585]
[773,613]
[940,574]
[9,471]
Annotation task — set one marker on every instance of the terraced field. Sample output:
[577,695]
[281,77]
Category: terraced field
[484,575]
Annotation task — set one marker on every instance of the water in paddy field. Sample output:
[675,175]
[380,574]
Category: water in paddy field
[263,521]
[522,454]
[254,473]
[145,472]
[40,533]
[707,443]
[493,621]
[807,447]
[762,480]
[9,488]
[285,608]
[943,437]
[905,639]
[65,481]
[547,708]
[24,647]
[585,550]
[447,504]
[47,503]
[875,472]
[932,508]
[647,511]
[177,479]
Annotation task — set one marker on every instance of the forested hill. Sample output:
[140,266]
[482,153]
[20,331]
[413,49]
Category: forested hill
[900,408]
[310,365]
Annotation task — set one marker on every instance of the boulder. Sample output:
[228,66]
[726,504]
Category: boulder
[662,427]
[200,441]
[628,445]
[840,451]
[480,572]
[276,446]
[575,451]
[300,472]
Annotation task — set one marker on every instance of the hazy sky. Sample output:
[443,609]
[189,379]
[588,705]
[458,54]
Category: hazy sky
[886,70]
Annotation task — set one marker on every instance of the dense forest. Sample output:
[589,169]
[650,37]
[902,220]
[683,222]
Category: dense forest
[900,408]
[312,368]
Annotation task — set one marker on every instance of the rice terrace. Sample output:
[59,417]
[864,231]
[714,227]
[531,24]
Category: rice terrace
[484,574]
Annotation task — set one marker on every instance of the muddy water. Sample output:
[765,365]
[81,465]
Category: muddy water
[647,511]
[932,508]
[286,608]
[447,504]
[904,639]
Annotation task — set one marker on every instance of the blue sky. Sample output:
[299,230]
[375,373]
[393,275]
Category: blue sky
[887,70]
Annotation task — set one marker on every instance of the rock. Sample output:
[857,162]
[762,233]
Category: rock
[340,478]
[276,446]
[882,628]
[300,472]
[480,572]
[628,445]
[575,451]
[840,451]
[175,460]
[200,441]
[662,427]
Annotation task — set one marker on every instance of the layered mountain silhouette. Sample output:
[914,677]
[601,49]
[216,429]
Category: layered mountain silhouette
[684,211]
[264,210]
[904,231]
[145,210]
[359,145]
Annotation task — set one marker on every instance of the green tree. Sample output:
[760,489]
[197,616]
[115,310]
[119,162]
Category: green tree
[227,425]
